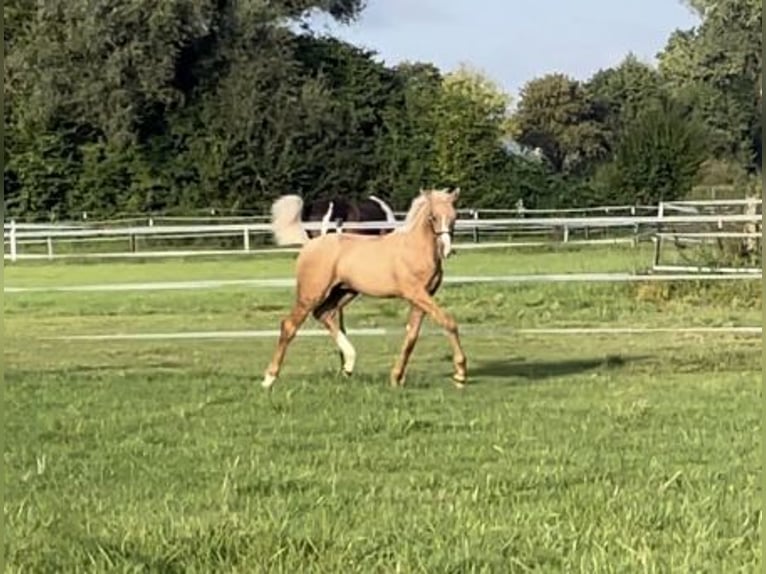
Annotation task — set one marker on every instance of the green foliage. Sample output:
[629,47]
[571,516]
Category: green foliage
[621,92]
[558,115]
[137,106]
[720,64]
[40,174]
[221,106]
[188,103]
[405,146]
[467,129]
[658,155]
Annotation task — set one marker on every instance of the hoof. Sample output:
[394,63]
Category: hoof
[268,381]
[346,374]
[459,380]
[396,381]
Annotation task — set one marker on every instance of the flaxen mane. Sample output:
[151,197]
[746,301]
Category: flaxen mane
[417,206]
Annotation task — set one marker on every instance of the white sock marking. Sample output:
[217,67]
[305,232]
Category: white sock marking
[349,353]
[268,381]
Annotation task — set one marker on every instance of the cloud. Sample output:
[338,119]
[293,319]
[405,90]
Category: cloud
[397,13]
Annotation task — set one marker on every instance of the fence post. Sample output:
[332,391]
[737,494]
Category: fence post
[475,216]
[12,239]
[50,248]
[246,239]
[658,238]
[751,227]
[635,226]
[566,234]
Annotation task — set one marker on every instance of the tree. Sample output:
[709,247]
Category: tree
[470,120]
[718,66]
[163,104]
[622,91]
[659,154]
[405,148]
[559,116]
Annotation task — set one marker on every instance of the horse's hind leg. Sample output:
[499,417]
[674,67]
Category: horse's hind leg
[342,328]
[330,314]
[288,328]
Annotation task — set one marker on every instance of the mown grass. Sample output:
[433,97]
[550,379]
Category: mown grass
[566,454]
[557,259]
[505,306]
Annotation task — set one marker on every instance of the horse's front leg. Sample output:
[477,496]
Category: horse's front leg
[414,322]
[425,302]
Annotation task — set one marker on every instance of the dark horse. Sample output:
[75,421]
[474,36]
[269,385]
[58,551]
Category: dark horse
[289,212]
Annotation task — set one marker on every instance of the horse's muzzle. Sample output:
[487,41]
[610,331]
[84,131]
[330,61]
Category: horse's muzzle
[444,241]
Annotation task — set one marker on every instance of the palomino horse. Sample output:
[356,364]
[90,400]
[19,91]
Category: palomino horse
[288,211]
[331,270]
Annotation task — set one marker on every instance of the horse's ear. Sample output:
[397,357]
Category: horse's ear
[425,192]
[455,194]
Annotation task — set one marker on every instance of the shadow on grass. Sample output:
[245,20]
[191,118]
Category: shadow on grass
[516,368]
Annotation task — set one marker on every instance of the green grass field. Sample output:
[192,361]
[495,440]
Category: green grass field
[475,262]
[566,453]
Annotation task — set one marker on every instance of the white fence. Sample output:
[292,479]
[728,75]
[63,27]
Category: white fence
[676,221]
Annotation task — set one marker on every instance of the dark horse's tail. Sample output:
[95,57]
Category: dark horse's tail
[286,221]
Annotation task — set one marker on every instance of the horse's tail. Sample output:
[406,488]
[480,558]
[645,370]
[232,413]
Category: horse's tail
[286,221]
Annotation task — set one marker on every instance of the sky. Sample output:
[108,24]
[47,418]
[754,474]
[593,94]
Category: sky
[514,41]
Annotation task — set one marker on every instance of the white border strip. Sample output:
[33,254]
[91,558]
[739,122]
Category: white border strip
[273,333]
[283,282]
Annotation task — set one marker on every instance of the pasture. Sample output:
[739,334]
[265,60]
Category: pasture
[565,453]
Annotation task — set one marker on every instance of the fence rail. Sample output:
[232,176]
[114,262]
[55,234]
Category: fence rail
[690,219]
[461,224]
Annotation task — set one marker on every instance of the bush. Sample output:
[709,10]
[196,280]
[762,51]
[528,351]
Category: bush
[658,155]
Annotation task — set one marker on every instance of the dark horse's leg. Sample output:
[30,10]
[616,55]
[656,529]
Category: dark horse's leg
[330,213]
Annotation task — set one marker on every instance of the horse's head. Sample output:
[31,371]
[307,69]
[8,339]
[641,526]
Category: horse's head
[442,216]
